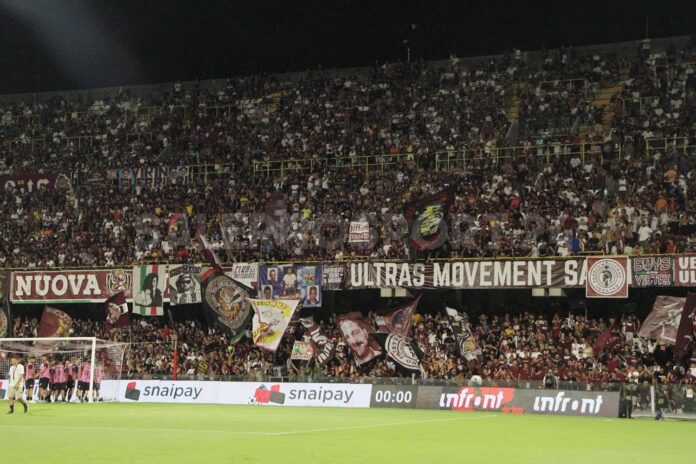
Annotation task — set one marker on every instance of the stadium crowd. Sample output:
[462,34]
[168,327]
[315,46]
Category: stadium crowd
[523,347]
[617,197]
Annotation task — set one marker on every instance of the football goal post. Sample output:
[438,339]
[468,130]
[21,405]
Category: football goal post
[87,361]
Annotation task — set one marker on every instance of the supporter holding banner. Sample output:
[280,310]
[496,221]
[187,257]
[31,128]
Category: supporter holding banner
[184,284]
[149,282]
[397,320]
[426,220]
[685,330]
[359,232]
[461,329]
[405,353]
[301,351]
[356,332]
[54,323]
[663,321]
[117,314]
[322,347]
[225,301]
[270,321]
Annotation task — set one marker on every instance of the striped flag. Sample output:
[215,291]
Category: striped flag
[149,281]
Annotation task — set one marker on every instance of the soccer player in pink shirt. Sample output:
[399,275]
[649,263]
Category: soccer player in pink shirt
[44,380]
[83,382]
[59,381]
[71,370]
[29,380]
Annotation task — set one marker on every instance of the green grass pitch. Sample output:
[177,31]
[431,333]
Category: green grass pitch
[150,433]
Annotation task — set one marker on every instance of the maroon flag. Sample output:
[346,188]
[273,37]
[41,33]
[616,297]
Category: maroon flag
[208,253]
[54,323]
[323,348]
[663,321]
[685,332]
[604,338]
[357,334]
[116,310]
[396,320]
[426,220]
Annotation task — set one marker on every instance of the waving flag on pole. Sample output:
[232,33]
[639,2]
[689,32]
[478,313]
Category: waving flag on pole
[116,310]
[270,321]
[226,302]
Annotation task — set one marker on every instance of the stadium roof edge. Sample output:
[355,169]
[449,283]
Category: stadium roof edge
[622,48]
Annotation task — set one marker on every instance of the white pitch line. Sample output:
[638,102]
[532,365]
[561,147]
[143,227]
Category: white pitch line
[242,432]
[374,426]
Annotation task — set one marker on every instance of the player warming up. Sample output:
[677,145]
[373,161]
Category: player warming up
[16,384]
[58,389]
[29,382]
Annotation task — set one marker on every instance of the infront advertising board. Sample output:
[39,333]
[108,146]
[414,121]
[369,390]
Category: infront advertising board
[512,400]
[344,395]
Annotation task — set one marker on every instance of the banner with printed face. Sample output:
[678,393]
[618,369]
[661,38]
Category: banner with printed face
[301,351]
[359,232]
[517,273]
[686,328]
[149,284]
[663,321]
[396,320]
[652,271]
[322,347]
[70,286]
[184,284]
[54,323]
[291,281]
[357,332]
[270,321]
[607,278]
[116,312]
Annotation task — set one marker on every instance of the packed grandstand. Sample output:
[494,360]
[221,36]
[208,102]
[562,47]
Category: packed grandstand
[561,153]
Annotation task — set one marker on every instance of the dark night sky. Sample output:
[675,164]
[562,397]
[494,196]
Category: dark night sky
[61,44]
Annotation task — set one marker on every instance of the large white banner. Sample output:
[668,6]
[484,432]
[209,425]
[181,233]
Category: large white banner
[271,319]
[274,394]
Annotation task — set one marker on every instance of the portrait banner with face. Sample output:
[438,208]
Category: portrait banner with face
[149,283]
[270,321]
[357,332]
[396,320]
[184,284]
[663,321]
[290,281]
[226,303]
[54,323]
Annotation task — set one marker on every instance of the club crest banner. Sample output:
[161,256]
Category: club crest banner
[607,277]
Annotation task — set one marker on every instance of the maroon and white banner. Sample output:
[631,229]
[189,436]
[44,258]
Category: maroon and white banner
[663,321]
[70,286]
[607,277]
[652,271]
[28,183]
[359,232]
[685,271]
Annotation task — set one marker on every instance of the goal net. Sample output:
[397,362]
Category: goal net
[62,367]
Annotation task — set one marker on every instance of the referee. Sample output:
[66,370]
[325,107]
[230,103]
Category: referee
[16,384]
